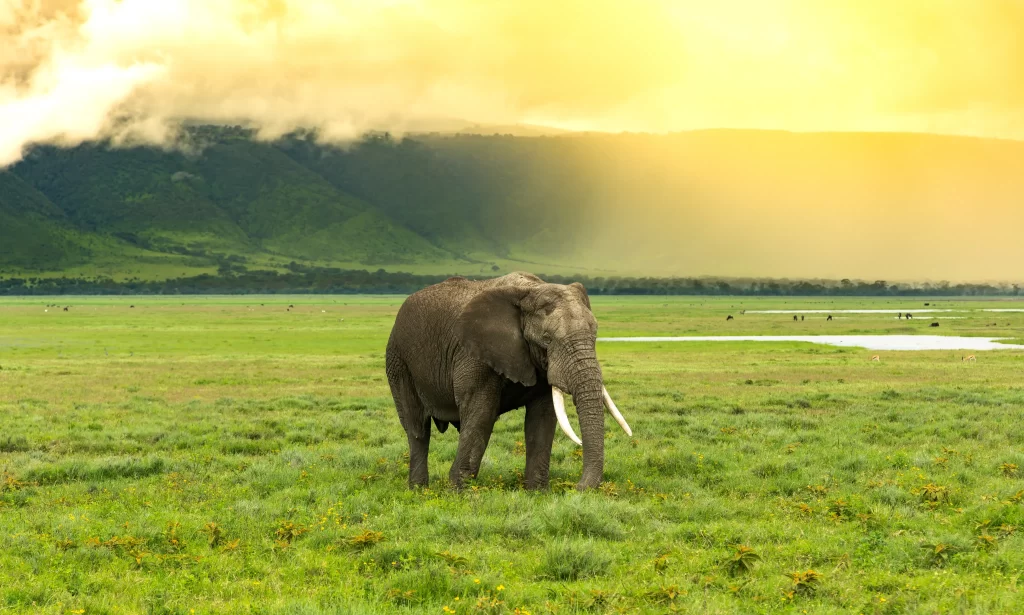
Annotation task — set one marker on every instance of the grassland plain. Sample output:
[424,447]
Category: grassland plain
[236,454]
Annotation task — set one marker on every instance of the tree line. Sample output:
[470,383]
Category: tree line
[301,279]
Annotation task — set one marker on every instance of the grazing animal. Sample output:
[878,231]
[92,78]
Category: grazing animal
[464,352]
[794,316]
[935,324]
[801,317]
[729,317]
[131,307]
[899,316]
[910,316]
[875,358]
[743,311]
[65,309]
[829,317]
[969,357]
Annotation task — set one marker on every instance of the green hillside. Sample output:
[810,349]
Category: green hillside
[733,203]
[33,231]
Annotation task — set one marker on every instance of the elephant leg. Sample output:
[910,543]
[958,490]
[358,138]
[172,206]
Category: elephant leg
[414,420]
[540,433]
[419,447]
[478,412]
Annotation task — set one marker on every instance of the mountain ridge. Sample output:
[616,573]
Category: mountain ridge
[708,202]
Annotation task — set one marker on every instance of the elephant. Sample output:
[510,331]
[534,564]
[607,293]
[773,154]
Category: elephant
[464,352]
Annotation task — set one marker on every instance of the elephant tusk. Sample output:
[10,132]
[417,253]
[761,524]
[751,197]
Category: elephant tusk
[615,412]
[563,418]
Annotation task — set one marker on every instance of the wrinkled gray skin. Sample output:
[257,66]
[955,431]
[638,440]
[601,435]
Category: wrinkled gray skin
[464,352]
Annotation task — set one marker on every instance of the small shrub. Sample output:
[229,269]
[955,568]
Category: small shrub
[818,490]
[741,561]
[938,553]
[582,516]
[171,535]
[287,532]
[66,544]
[986,541]
[455,562]
[567,560]
[364,539]
[933,494]
[805,582]
[398,596]
[8,483]
[665,595]
[839,509]
[215,534]
[661,563]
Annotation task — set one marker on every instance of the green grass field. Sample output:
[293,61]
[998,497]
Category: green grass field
[227,454]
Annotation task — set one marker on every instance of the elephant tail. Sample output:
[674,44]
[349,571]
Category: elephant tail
[407,402]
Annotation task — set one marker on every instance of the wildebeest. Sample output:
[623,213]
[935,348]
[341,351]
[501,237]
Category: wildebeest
[729,317]
[829,317]
[935,324]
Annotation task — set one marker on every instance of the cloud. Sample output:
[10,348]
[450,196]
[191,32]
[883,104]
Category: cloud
[133,68]
[73,70]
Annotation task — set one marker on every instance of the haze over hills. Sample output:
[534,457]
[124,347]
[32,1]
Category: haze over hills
[720,202]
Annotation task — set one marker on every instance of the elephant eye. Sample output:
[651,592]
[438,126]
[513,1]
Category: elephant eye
[546,337]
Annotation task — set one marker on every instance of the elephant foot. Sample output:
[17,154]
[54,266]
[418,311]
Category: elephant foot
[588,483]
[458,479]
[539,483]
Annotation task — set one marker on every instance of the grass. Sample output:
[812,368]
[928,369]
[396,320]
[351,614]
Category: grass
[227,454]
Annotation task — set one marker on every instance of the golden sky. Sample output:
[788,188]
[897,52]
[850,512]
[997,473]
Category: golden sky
[72,70]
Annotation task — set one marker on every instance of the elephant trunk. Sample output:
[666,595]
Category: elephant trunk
[579,371]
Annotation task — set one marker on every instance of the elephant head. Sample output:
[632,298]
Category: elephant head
[547,328]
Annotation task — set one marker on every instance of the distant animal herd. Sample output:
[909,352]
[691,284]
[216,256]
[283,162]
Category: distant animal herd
[900,316]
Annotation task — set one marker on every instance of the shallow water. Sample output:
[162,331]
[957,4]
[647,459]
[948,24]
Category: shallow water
[871,342]
[886,311]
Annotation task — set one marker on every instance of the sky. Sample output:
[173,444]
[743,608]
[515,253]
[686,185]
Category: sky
[133,70]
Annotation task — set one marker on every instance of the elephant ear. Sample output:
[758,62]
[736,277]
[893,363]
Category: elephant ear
[490,329]
[581,292]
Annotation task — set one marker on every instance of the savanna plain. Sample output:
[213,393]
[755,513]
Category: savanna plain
[242,454]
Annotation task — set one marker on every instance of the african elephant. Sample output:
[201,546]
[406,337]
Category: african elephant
[464,352]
